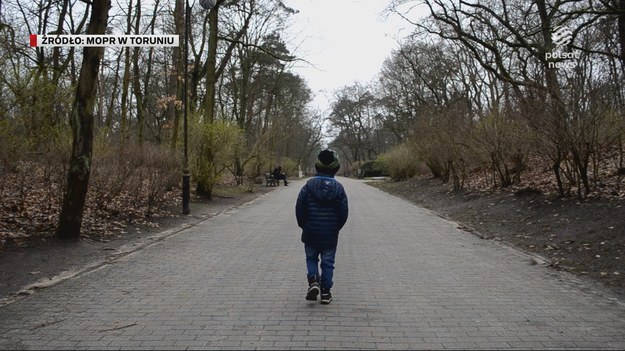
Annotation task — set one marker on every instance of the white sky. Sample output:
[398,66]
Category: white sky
[345,40]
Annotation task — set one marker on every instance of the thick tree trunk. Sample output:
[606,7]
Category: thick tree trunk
[70,220]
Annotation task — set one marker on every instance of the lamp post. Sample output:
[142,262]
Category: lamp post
[186,176]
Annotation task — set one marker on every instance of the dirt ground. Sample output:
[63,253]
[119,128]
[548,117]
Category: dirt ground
[40,262]
[584,237]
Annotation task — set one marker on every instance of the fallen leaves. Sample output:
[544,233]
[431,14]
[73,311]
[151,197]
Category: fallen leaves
[30,203]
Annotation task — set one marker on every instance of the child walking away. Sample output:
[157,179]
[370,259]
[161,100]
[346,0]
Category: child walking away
[321,212]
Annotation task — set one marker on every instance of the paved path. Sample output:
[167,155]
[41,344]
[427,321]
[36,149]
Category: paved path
[405,278]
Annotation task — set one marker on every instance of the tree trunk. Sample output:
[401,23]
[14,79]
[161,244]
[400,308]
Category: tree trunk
[214,71]
[621,30]
[111,107]
[79,171]
[211,71]
[136,79]
[557,111]
[58,69]
[176,87]
[556,171]
[126,80]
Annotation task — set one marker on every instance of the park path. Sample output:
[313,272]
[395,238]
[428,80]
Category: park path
[405,278]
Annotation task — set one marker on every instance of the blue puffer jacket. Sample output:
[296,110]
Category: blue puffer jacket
[321,211]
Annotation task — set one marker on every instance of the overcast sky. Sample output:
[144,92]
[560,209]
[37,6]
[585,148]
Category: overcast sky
[345,40]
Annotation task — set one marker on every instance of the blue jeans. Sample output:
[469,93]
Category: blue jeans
[327,264]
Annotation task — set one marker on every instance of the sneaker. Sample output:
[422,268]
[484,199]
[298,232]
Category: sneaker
[326,296]
[313,291]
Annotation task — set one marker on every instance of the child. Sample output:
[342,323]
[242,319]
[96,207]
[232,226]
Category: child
[321,211]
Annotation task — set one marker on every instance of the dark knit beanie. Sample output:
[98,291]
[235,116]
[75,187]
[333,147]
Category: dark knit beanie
[327,162]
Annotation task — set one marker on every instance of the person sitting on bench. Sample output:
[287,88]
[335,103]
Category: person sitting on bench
[278,175]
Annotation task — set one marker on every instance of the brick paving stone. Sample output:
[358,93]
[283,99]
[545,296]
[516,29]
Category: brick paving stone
[405,279]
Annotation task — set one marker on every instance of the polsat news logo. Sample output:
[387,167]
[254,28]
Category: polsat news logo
[562,55]
[96,40]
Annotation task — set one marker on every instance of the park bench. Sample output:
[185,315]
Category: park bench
[270,180]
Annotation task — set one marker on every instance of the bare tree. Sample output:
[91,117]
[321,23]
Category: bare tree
[70,219]
[354,118]
[513,42]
